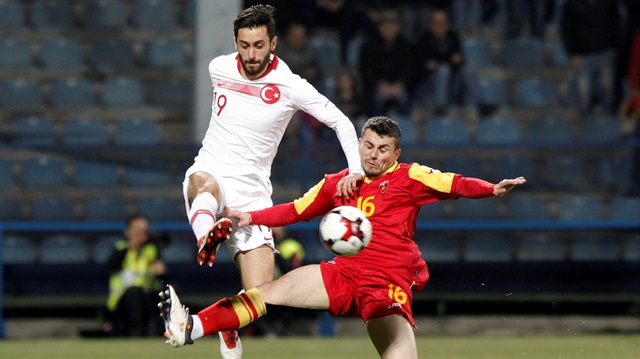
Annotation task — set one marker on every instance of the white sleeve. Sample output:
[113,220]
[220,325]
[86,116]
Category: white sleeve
[309,100]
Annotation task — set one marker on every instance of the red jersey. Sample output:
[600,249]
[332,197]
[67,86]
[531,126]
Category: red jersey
[391,202]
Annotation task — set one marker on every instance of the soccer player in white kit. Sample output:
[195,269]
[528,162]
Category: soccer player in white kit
[255,95]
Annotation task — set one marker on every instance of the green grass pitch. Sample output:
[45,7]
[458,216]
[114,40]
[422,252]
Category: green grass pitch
[566,347]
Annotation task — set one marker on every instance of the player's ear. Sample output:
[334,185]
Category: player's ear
[235,43]
[274,42]
[396,154]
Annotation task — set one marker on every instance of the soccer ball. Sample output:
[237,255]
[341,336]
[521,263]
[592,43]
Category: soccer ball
[345,231]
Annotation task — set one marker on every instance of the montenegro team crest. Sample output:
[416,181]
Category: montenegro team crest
[383,186]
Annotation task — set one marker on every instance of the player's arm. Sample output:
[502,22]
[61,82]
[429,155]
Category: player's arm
[470,187]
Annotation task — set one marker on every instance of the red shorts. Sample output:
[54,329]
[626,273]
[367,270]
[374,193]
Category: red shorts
[370,293]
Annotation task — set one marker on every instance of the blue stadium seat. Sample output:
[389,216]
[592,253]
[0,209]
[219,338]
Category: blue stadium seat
[7,179]
[491,92]
[43,172]
[523,207]
[105,208]
[18,250]
[100,14]
[183,250]
[601,130]
[112,55]
[537,93]
[15,54]
[614,172]
[477,53]
[594,248]
[625,208]
[353,51]
[472,209]
[34,131]
[515,166]
[72,93]
[63,249]
[439,249]
[580,207]
[433,211]
[485,248]
[447,131]
[21,95]
[160,208]
[550,131]
[155,15]
[566,172]
[103,247]
[123,92]
[11,209]
[148,174]
[85,131]
[137,132]
[559,56]
[62,54]
[466,166]
[328,50]
[11,16]
[52,208]
[189,14]
[410,135]
[173,94]
[499,131]
[541,247]
[92,174]
[631,252]
[52,14]
[523,53]
[165,53]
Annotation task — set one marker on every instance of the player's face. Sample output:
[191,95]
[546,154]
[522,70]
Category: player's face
[377,153]
[254,48]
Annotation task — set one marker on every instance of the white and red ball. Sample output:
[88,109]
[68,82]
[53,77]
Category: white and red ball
[345,231]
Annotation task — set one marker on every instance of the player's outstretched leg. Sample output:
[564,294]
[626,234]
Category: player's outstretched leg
[208,245]
[177,321]
[230,345]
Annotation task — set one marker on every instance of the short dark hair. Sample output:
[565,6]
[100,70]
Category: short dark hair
[256,16]
[384,126]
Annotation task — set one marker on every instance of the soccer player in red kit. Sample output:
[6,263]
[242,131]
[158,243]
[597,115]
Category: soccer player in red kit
[375,284]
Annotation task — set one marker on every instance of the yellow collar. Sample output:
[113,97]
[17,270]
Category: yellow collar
[391,169]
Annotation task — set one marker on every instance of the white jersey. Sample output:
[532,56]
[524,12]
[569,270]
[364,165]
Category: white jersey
[249,118]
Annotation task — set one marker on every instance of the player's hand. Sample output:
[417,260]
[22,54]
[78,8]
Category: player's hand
[507,185]
[243,218]
[348,184]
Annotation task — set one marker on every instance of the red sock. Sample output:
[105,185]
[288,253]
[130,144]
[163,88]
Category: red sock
[233,313]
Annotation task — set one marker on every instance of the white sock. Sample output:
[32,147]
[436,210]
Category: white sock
[202,214]
[197,331]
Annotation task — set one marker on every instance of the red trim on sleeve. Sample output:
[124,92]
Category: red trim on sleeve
[470,187]
[276,216]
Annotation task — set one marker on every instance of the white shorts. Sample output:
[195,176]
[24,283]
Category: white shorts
[244,193]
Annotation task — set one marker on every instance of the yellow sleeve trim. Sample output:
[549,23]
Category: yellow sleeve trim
[440,181]
[305,201]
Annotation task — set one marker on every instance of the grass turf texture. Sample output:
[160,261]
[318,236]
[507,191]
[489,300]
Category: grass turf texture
[566,347]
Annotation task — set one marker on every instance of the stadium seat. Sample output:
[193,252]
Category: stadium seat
[155,15]
[328,51]
[524,53]
[523,207]
[473,209]
[466,166]
[515,166]
[72,94]
[93,174]
[477,53]
[601,130]
[15,54]
[566,172]
[160,208]
[105,208]
[550,131]
[52,208]
[433,211]
[85,131]
[410,134]
[353,51]
[594,248]
[499,131]
[7,179]
[625,208]
[165,53]
[447,131]
[580,208]
[112,55]
[100,15]
[52,14]
[18,250]
[189,14]
[63,249]
[183,250]
[173,94]
[11,16]
[34,131]
[541,247]
[537,93]
[439,249]
[631,251]
[43,172]
[491,92]
[485,248]
[559,56]
[137,132]
[614,172]
[103,247]
[11,209]
[123,92]
[148,174]
[62,54]
[21,95]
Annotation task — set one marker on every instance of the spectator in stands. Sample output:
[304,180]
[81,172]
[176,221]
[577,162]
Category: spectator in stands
[467,15]
[136,270]
[386,64]
[590,33]
[441,71]
[336,19]
[348,97]
[523,12]
[299,55]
